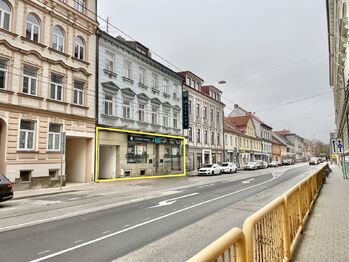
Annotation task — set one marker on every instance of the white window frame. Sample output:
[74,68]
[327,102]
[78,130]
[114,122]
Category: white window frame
[78,93]
[142,76]
[58,38]
[141,113]
[26,133]
[32,27]
[126,108]
[127,69]
[4,70]
[198,135]
[56,86]
[154,116]
[2,15]
[80,6]
[175,120]
[165,118]
[155,81]
[56,145]
[30,79]
[108,104]
[109,61]
[80,48]
[166,86]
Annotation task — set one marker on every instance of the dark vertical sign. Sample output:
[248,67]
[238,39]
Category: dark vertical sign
[185,111]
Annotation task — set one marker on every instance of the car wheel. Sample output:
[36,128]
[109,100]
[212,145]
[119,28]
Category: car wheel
[212,173]
[221,172]
[236,170]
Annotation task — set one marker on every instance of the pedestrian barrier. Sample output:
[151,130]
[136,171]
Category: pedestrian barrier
[271,233]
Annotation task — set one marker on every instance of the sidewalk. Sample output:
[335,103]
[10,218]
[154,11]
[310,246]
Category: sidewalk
[326,235]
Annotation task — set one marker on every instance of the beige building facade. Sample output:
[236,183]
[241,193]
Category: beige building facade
[47,88]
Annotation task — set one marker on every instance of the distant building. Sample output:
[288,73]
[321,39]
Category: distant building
[297,142]
[136,93]
[206,113]
[231,143]
[309,149]
[263,132]
[249,144]
[279,148]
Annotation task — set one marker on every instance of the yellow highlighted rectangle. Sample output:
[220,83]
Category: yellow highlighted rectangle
[96,177]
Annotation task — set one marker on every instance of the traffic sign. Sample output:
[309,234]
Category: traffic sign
[337,146]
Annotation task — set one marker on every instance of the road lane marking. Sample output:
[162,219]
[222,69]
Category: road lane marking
[89,196]
[77,241]
[247,181]
[146,222]
[126,225]
[206,185]
[171,201]
[105,232]
[74,198]
[43,252]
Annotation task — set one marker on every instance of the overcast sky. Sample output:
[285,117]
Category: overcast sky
[269,52]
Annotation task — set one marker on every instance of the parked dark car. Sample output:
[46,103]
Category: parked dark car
[6,191]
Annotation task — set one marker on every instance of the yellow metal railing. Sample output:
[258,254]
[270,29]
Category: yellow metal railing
[271,233]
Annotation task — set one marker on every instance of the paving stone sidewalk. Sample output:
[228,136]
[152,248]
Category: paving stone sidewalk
[326,235]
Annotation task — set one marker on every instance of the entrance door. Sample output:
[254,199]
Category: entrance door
[107,161]
[2,146]
[199,160]
[207,158]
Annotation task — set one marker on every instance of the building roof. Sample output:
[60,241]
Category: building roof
[238,121]
[284,132]
[231,128]
[282,138]
[252,115]
[184,73]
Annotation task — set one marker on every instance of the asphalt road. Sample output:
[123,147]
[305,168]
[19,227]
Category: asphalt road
[114,232]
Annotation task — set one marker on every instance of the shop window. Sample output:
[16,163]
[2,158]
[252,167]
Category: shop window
[53,173]
[142,173]
[137,153]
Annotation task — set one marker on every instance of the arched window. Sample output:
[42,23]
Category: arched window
[79,47]
[58,38]
[5,15]
[33,27]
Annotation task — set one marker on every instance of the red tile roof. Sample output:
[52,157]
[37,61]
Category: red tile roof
[254,116]
[239,121]
[283,132]
[231,128]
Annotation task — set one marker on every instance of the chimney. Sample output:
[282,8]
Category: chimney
[236,106]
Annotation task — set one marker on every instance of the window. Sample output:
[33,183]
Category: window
[29,80]
[141,113]
[3,73]
[175,94]
[33,27]
[25,175]
[5,15]
[198,136]
[206,137]
[188,81]
[79,48]
[205,112]
[80,5]
[197,110]
[154,116]
[26,135]
[231,141]
[58,38]
[54,137]
[155,81]
[127,69]
[137,153]
[165,119]
[142,76]
[56,87]
[190,107]
[78,92]
[166,87]
[126,109]
[218,117]
[108,105]
[212,138]
[190,134]
[218,139]
[52,173]
[212,120]
[175,121]
[226,139]
[109,61]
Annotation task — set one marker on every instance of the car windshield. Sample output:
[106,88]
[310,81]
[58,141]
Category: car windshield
[208,165]
[225,164]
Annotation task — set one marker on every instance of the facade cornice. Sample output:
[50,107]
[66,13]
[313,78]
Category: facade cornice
[42,58]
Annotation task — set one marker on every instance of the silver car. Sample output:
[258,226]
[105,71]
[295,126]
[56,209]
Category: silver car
[210,170]
[251,166]
[229,167]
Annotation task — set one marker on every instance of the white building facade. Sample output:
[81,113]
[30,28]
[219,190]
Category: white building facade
[205,134]
[135,92]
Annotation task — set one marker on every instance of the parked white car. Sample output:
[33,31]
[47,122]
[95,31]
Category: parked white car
[273,164]
[229,167]
[251,166]
[210,170]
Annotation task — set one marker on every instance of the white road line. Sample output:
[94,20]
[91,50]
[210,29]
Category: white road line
[43,252]
[74,198]
[89,196]
[126,225]
[146,222]
[147,218]
[105,232]
[77,241]
[206,185]
[171,201]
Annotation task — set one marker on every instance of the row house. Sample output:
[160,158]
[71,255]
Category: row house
[136,93]
[263,132]
[231,143]
[297,141]
[250,145]
[206,113]
[279,148]
[47,67]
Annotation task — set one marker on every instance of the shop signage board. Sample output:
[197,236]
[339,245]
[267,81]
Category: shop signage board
[155,140]
[185,109]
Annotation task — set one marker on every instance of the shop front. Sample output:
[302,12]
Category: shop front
[127,154]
